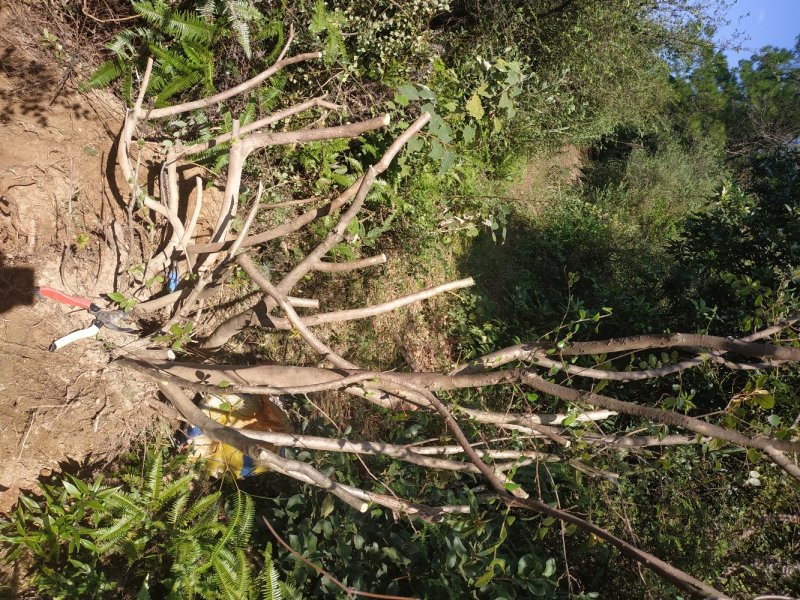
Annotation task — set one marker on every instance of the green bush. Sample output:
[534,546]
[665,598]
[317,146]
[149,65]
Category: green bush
[160,533]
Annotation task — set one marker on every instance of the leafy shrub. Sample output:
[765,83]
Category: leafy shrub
[741,257]
[158,535]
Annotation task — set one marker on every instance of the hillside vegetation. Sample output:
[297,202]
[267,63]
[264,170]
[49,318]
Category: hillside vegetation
[601,172]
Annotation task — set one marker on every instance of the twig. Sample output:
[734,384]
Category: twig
[248,222]
[86,13]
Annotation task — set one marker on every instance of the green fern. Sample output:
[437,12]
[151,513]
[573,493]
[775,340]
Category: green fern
[269,583]
[104,74]
[182,25]
[239,14]
[207,505]
[157,527]
[329,23]
[179,40]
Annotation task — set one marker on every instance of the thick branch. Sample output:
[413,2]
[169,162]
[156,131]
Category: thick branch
[404,453]
[256,125]
[530,351]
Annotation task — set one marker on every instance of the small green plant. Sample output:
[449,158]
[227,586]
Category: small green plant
[52,42]
[178,335]
[154,280]
[122,301]
[82,241]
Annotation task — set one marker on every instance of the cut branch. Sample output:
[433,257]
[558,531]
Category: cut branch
[353,265]
[377,309]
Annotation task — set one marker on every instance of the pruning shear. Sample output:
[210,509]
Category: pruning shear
[102,318]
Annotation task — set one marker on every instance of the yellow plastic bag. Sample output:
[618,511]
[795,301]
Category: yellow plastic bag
[243,411]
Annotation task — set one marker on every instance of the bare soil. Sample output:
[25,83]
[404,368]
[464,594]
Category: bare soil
[69,408]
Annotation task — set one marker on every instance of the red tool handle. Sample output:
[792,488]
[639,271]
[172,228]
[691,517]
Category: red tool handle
[60,296]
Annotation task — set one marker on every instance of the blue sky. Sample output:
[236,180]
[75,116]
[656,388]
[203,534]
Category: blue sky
[769,23]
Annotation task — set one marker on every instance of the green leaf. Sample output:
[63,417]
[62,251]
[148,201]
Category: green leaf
[497,125]
[468,133]
[426,93]
[485,578]
[448,160]
[437,150]
[409,91]
[414,145]
[71,489]
[224,383]
[117,297]
[327,506]
[475,107]
[766,401]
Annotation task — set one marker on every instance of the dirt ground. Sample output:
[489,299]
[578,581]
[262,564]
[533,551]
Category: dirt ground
[69,408]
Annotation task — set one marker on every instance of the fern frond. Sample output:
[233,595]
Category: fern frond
[240,522]
[103,75]
[108,538]
[206,530]
[155,479]
[244,525]
[168,61]
[248,114]
[152,12]
[179,487]
[177,509]
[205,509]
[221,162]
[289,591]
[232,574]
[122,44]
[125,503]
[199,56]
[183,25]
[273,29]
[176,86]
[186,555]
[270,584]
[239,26]
[208,9]
[187,26]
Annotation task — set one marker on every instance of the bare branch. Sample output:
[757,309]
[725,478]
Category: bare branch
[331,267]
[660,416]
[170,111]
[259,124]
[248,222]
[377,309]
[531,351]
[404,453]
